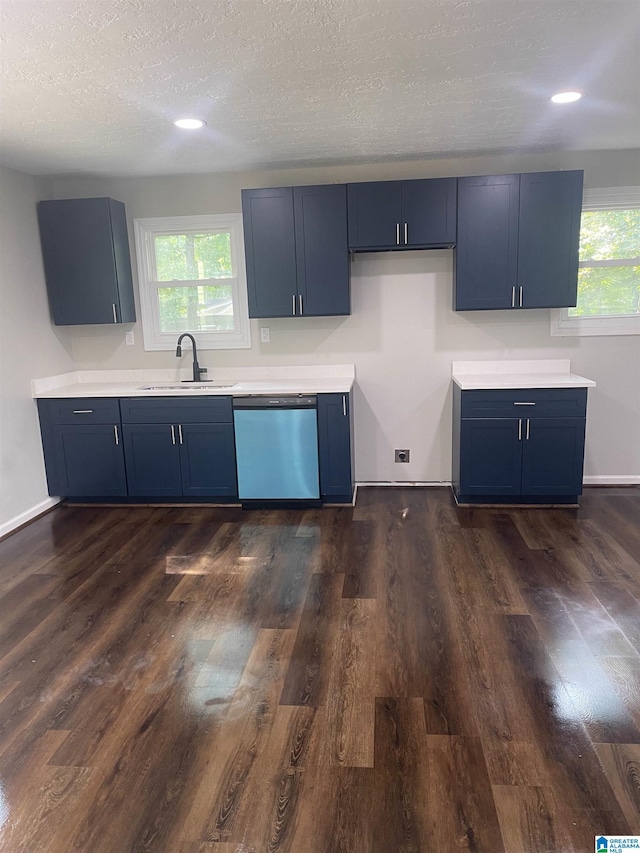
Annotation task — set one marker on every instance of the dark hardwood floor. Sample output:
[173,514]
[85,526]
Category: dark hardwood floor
[403,676]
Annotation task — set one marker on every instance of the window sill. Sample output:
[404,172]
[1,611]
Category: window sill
[564,326]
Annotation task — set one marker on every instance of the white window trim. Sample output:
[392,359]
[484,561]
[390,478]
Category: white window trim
[145,230]
[606,198]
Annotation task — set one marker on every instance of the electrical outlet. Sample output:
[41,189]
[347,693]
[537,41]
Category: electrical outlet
[129,338]
[265,335]
[402,455]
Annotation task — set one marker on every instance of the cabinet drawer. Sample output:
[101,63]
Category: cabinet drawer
[81,410]
[163,410]
[525,403]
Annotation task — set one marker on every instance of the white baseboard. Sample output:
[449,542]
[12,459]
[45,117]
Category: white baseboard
[27,515]
[613,480]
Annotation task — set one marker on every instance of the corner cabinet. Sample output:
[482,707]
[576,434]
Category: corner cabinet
[394,215]
[296,251]
[518,241]
[82,443]
[335,447]
[518,446]
[87,265]
[179,447]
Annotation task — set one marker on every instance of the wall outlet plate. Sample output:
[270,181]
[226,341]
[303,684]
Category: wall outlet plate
[129,338]
[402,455]
[265,335]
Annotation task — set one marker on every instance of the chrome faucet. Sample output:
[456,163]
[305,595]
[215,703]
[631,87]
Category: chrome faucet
[197,370]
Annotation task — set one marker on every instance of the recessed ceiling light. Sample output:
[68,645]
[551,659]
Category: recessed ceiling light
[189,123]
[566,97]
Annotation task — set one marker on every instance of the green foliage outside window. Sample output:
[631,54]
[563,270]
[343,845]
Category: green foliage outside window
[608,235]
[195,257]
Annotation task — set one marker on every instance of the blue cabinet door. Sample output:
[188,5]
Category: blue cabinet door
[322,257]
[152,455]
[89,460]
[334,445]
[208,460]
[548,240]
[85,250]
[553,453]
[486,255]
[375,215]
[270,251]
[429,212]
[490,456]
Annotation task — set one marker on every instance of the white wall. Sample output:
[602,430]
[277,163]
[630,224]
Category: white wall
[402,335]
[29,347]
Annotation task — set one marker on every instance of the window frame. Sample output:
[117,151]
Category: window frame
[605,198]
[145,230]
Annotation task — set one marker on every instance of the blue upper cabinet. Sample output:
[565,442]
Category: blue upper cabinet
[518,240]
[270,251]
[85,249]
[322,257]
[296,251]
[402,214]
[486,256]
[549,237]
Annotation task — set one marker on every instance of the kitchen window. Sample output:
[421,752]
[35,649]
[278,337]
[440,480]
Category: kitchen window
[609,268]
[192,279]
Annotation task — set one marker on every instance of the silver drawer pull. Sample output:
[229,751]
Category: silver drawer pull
[115,434]
[173,434]
[83,411]
[294,304]
[521,296]
[528,422]
[115,316]
[519,429]
[344,405]
[397,233]
[524,404]
[180,432]
[300,301]
[406,233]
[513,297]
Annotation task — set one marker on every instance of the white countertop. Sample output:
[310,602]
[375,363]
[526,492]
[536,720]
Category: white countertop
[538,373]
[314,379]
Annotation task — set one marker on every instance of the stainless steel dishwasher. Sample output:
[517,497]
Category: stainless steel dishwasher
[277,448]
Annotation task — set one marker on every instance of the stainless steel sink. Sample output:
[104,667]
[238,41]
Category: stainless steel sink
[186,386]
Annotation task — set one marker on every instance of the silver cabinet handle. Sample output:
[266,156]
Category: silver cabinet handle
[406,233]
[528,422]
[524,404]
[115,434]
[521,296]
[344,405]
[180,432]
[397,233]
[173,435]
[519,429]
[300,301]
[513,296]
[115,316]
[83,411]
[294,304]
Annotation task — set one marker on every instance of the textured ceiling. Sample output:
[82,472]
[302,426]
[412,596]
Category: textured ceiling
[92,86]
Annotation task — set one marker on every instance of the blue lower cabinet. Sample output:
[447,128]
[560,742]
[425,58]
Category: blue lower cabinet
[335,447]
[89,460]
[490,457]
[152,454]
[553,456]
[175,460]
[532,457]
[208,460]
